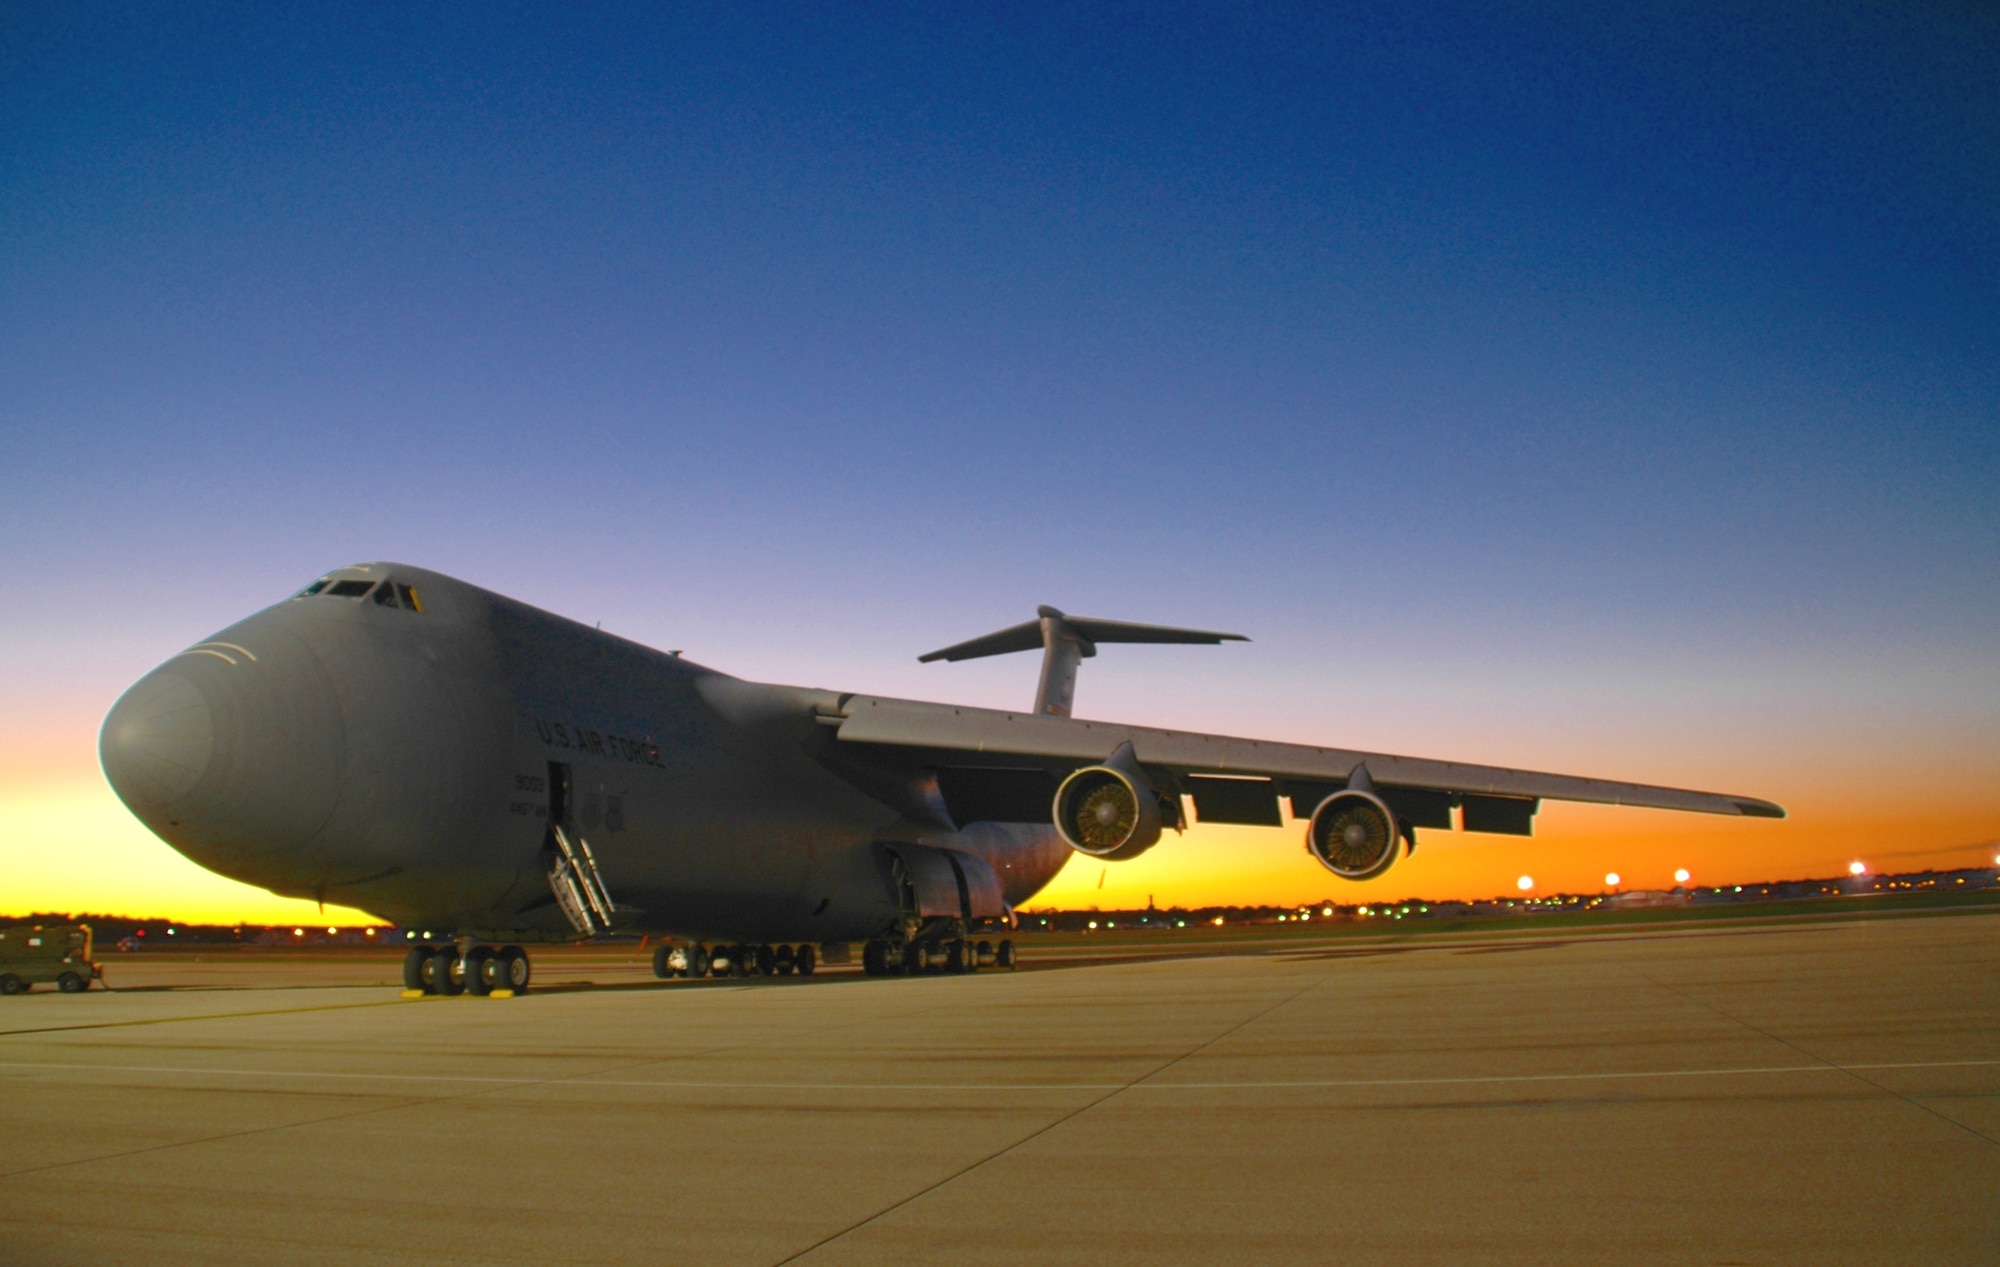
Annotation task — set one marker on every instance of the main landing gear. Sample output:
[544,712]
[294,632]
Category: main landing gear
[734,961]
[954,954]
[476,970]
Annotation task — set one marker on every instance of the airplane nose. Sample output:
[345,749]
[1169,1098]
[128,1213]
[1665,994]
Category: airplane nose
[157,740]
[231,752]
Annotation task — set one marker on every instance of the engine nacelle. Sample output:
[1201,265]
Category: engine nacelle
[1353,834]
[1109,811]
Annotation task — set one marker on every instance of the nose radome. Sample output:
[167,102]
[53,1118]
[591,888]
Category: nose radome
[232,753]
[157,740]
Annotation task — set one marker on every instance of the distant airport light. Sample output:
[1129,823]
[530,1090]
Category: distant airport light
[411,935]
[1525,883]
[1093,923]
[1218,921]
[1857,867]
[1326,911]
[1611,879]
[332,930]
[1681,876]
[298,932]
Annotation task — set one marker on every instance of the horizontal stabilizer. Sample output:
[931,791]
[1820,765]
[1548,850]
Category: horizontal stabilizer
[1028,636]
[1065,640]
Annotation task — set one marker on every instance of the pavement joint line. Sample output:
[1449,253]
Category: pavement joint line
[1301,1084]
[1852,1071]
[1040,1131]
[206,1016]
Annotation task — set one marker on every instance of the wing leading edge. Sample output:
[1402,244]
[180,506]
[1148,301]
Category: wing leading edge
[1493,798]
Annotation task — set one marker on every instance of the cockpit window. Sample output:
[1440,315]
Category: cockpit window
[410,599]
[385,596]
[312,589]
[350,589]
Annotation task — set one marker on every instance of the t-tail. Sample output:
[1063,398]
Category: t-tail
[1066,641]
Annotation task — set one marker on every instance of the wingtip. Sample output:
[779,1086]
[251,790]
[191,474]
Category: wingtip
[1758,809]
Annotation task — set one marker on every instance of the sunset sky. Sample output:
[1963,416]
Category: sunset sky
[1614,395]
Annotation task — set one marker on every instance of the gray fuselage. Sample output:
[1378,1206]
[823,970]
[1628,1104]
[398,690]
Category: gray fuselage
[400,757]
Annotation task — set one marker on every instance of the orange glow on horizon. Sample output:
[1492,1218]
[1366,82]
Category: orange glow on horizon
[70,845]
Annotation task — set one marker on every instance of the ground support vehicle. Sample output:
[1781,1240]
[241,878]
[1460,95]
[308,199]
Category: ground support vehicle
[34,953]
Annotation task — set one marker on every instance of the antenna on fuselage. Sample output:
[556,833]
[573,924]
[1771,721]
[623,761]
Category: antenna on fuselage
[1067,641]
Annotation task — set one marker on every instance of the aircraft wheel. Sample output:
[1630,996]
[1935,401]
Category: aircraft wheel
[698,961]
[446,972]
[474,975]
[741,961]
[11,984]
[954,956]
[427,979]
[1003,956]
[719,961]
[413,967]
[875,959]
[70,983]
[782,965]
[514,969]
[804,960]
[913,958]
[493,971]
[766,959]
[662,954]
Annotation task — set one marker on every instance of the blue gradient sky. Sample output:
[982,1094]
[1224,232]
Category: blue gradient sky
[1611,393]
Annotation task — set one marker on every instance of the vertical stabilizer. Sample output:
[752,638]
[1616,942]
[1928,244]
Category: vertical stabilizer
[1066,641]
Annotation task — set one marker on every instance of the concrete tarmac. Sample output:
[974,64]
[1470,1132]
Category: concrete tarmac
[1814,1094]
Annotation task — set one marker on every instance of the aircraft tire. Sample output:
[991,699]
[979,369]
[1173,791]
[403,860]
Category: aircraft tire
[661,968]
[11,984]
[443,980]
[804,960]
[494,971]
[954,957]
[427,978]
[515,969]
[766,961]
[413,967]
[740,964]
[913,959]
[875,959]
[474,973]
[698,961]
[1003,956]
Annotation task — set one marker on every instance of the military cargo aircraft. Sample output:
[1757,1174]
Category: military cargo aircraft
[452,760]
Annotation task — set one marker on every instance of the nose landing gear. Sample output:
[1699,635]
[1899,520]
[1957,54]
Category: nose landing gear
[475,970]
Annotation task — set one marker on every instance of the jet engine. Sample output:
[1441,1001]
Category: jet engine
[1109,811]
[1353,834]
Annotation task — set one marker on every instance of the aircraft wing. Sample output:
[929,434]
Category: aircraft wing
[987,760]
